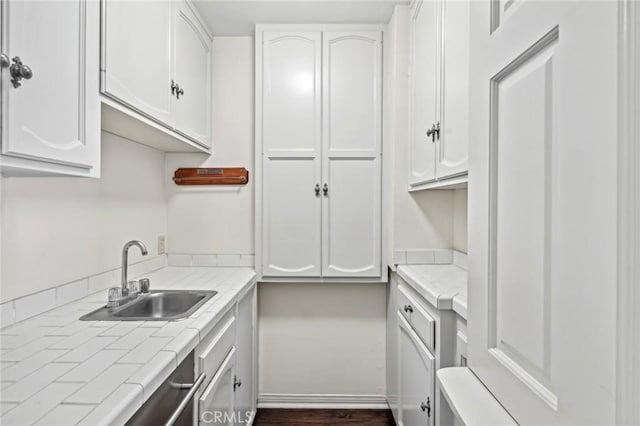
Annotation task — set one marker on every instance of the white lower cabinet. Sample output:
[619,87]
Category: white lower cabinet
[420,340]
[215,405]
[227,357]
[417,376]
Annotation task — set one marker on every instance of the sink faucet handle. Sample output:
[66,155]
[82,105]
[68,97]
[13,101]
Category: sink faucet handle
[115,295]
[145,285]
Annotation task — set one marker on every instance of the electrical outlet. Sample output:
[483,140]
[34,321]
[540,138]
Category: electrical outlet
[161,244]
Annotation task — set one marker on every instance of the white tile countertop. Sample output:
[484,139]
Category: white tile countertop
[444,286]
[57,371]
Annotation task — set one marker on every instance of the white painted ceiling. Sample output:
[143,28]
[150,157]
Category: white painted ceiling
[238,17]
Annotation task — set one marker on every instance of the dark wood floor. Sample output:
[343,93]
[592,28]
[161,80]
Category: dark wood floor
[276,416]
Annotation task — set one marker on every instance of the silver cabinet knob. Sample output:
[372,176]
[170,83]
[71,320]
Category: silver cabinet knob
[317,189]
[434,132]
[408,308]
[325,189]
[19,71]
[176,89]
[426,407]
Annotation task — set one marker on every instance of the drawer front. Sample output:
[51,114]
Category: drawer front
[215,404]
[420,320]
[216,346]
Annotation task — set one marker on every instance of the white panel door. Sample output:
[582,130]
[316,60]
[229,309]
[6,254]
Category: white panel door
[351,154]
[543,208]
[245,398]
[216,403]
[452,156]
[291,160]
[417,378]
[424,89]
[136,58]
[192,65]
[54,115]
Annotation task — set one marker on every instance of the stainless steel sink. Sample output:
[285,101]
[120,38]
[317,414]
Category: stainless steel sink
[158,305]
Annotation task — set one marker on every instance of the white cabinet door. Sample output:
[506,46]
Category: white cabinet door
[52,117]
[452,158]
[136,56]
[216,403]
[351,230]
[290,120]
[425,89]
[246,395]
[542,308]
[417,378]
[192,65]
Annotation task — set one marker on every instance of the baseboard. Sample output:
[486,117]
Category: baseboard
[335,401]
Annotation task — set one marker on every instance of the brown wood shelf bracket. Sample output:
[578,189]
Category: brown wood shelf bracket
[211,176]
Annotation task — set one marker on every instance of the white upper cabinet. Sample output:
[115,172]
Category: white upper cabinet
[193,75]
[424,94]
[136,57]
[318,140]
[50,99]
[156,74]
[454,121]
[351,154]
[543,235]
[439,93]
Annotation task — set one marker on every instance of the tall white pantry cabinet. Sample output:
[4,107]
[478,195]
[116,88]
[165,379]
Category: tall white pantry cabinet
[318,150]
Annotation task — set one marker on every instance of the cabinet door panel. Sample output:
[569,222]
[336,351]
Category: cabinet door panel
[216,404]
[416,378]
[192,56]
[351,154]
[291,158]
[54,116]
[139,77]
[454,140]
[424,94]
[541,240]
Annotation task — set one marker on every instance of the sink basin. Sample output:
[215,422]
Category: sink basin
[158,305]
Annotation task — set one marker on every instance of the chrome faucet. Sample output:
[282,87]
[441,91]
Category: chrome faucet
[125,256]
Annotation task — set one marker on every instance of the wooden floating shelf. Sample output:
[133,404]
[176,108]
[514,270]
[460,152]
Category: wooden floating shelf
[211,176]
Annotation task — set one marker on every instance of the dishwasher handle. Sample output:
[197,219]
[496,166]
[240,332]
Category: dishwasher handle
[183,404]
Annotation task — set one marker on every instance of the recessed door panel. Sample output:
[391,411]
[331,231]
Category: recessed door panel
[291,92]
[352,218]
[291,217]
[424,94]
[54,114]
[454,138]
[351,224]
[139,77]
[192,75]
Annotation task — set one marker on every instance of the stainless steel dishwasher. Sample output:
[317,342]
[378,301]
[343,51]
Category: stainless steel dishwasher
[172,402]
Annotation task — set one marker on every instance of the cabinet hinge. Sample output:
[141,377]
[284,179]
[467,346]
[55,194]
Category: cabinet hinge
[236,383]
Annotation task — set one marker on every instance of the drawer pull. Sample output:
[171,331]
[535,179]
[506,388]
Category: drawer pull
[193,388]
[408,308]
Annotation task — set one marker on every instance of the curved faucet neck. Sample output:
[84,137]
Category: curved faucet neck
[125,261]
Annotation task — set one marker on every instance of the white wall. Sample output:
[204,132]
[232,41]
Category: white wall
[460,211]
[56,230]
[423,219]
[214,220]
[319,339]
